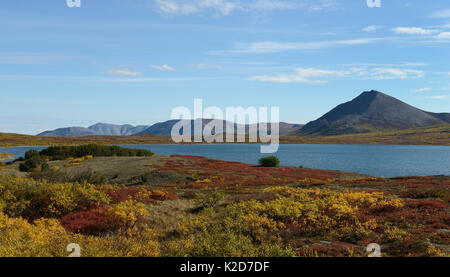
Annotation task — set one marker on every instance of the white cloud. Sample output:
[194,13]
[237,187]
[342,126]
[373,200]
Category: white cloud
[271,5]
[275,47]
[172,7]
[124,73]
[443,35]
[421,90]
[315,76]
[371,28]
[301,75]
[396,73]
[227,7]
[163,67]
[414,31]
[441,14]
[438,97]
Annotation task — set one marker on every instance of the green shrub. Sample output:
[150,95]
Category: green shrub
[146,177]
[271,161]
[90,177]
[31,153]
[210,200]
[35,163]
[95,150]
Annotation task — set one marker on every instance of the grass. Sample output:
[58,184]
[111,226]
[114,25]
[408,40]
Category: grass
[6,156]
[435,135]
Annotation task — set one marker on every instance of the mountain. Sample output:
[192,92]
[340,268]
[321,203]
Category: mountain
[165,128]
[442,116]
[99,129]
[68,132]
[370,111]
[116,130]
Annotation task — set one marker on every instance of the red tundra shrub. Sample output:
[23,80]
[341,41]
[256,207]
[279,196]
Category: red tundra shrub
[93,222]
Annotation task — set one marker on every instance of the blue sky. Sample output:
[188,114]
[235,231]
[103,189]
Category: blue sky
[133,61]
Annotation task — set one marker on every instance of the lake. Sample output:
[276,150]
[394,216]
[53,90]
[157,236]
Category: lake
[376,160]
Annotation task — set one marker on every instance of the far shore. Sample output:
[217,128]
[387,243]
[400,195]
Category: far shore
[438,135]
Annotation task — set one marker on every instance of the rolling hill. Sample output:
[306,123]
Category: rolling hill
[158,129]
[99,129]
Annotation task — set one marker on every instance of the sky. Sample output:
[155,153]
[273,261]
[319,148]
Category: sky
[134,61]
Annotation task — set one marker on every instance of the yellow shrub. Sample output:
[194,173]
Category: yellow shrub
[125,215]
[392,234]
[33,199]
[46,238]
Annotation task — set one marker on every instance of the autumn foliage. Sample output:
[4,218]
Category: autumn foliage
[228,209]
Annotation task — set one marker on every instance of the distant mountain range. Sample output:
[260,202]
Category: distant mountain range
[99,129]
[158,129]
[370,111]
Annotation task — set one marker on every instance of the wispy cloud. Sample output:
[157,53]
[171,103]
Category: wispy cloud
[371,28]
[441,14]
[316,76]
[227,7]
[124,73]
[164,67]
[300,75]
[443,35]
[438,97]
[186,7]
[421,90]
[396,73]
[95,79]
[275,47]
[414,31]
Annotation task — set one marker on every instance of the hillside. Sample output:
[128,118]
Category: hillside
[435,135]
[372,111]
[165,128]
[99,129]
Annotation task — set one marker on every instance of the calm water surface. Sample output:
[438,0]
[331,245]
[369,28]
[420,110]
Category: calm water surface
[377,160]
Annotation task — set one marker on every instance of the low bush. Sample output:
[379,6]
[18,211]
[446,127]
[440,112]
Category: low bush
[47,238]
[209,200]
[91,150]
[93,222]
[32,199]
[271,161]
[90,177]
[427,192]
[35,163]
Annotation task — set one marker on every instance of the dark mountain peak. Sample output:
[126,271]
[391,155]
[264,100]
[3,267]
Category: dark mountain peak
[372,92]
[371,110]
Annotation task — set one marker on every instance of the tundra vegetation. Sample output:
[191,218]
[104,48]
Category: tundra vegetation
[194,206]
